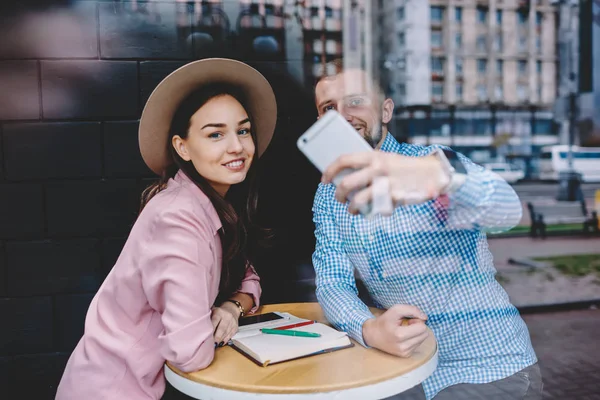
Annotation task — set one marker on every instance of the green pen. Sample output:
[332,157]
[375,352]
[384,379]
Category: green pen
[288,332]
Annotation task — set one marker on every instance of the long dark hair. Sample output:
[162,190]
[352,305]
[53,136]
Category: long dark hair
[236,216]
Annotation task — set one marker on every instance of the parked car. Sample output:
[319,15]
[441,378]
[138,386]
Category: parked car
[510,173]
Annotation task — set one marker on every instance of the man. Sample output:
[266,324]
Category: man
[428,262]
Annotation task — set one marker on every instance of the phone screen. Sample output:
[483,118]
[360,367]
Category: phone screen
[255,319]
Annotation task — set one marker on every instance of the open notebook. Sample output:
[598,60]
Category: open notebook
[265,349]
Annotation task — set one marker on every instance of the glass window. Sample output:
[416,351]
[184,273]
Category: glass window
[436,39]
[437,89]
[481,44]
[459,65]
[458,14]
[522,16]
[522,92]
[538,44]
[522,67]
[522,43]
[538,18]
[328,12]
[481,66]
[499,67]
[481,92]
[538,67]
[498,92]
[437,13]
[498,17]
[482,15]
[498,43]
[437,64]
[458,40]
[459,91]
[401,13]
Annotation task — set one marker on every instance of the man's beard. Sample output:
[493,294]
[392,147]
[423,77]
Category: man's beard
[373,136]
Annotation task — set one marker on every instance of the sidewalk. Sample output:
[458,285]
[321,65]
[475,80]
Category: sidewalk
[566,346]
[544,287]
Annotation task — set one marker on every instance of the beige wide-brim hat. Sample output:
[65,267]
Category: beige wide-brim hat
[164,100]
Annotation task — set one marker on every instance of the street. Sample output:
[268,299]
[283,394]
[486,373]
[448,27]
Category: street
[568,354]
[532,191]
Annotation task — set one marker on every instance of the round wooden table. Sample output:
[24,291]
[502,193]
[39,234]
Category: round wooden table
[353,373]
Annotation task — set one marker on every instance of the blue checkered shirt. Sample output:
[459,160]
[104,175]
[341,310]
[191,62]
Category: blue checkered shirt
[434,256]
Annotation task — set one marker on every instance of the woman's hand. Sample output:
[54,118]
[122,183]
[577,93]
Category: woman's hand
[225,322]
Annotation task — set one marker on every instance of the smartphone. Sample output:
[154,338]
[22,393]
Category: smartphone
[257,319]
[329,138]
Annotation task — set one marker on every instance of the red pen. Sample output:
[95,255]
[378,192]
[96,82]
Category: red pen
[295,325]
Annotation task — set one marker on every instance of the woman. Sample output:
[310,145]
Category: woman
[184,276]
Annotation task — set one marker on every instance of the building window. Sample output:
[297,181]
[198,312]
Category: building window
[481,92]
[437,65]
[459,91]
[522,43]
[522,17]
[538,67]
[539,93]
[522,67]
[458,40]
[481,66]
[459,65]
[328,12]
[401,39]
[538,44]
[481,44]
[436,39]
[314,11]
[437,90]
[458,14]
[401,14]
[499,67]
[499,17]
[538,18]
[498,92]
[437,14]
[482,15]
[498,43]
[522,92]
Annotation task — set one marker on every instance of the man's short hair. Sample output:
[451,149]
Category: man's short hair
[337,66]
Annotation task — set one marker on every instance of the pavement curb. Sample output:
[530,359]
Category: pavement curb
[571,306]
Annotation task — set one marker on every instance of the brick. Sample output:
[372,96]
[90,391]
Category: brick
[103,208]
[89,89]
[5,378]
[122,156]
[78,143]
[152,72]
[54,33]
[20,94]
[37,376]
[152,30]
[2,271]
[70,319]
[111,249]
[53,266]
[21,211]
[26,325]
[1,155]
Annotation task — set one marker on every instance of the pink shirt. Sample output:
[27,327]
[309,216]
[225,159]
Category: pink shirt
[155,303]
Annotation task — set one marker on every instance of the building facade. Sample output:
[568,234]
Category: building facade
[478,75]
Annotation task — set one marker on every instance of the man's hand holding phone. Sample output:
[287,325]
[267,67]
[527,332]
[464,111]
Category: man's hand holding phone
[408,180]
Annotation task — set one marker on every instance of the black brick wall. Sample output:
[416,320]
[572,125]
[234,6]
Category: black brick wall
[74,77]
